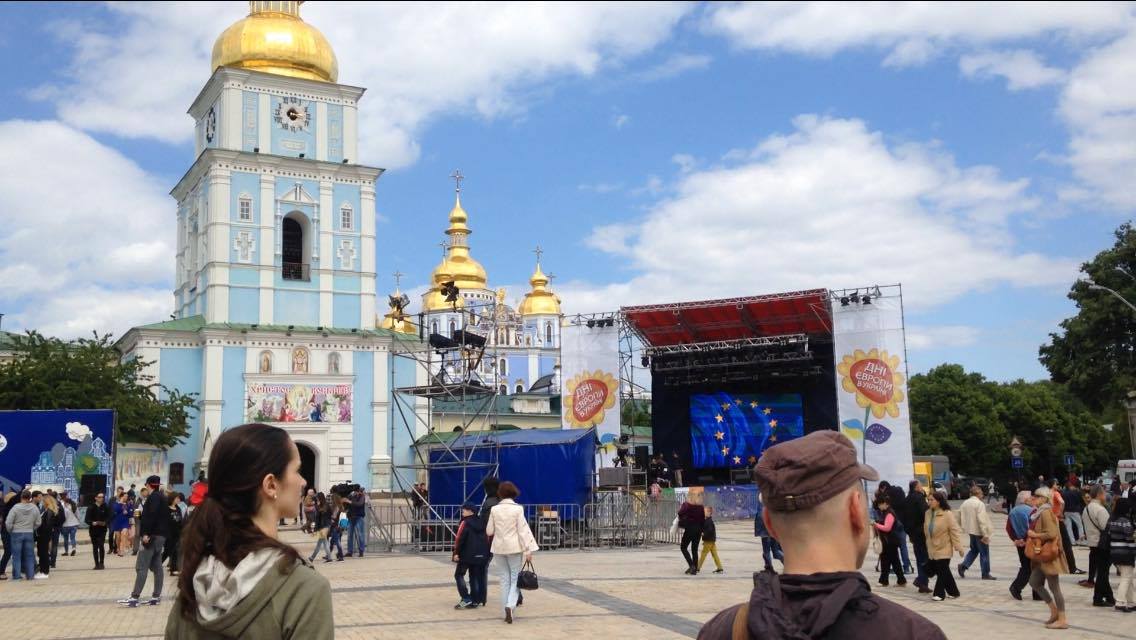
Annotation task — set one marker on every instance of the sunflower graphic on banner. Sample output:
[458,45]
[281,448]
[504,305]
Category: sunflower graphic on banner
[872,391]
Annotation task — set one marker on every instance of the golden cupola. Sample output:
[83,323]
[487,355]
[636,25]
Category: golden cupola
[466,272]
[541,301]
[433,300]
[396,318]
[273,39]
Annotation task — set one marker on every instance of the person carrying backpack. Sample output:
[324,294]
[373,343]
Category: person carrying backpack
[1122,552]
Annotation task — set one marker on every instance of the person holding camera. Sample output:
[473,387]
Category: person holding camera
[153,529]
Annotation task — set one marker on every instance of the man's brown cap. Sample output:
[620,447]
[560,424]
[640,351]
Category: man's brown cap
[802,473]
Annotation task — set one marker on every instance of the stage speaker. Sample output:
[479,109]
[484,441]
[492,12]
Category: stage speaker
[90,486]
[642,457]
[614,476]
[740,476]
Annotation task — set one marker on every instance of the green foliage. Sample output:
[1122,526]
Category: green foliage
[48,373]
[972,420]
[1095,352]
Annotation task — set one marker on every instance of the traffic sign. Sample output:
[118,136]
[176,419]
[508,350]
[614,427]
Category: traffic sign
[1069,460]
[1017,463]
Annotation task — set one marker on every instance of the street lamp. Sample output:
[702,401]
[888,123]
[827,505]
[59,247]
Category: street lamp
[1093,285]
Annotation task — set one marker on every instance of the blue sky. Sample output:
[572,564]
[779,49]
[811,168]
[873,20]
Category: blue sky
[975,153]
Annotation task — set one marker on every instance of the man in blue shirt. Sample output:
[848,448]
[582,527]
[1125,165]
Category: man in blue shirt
[1017,526]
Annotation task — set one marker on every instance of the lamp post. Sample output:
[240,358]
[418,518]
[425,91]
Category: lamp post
[1097,287]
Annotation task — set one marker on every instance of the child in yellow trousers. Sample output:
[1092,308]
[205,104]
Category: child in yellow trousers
[709,540]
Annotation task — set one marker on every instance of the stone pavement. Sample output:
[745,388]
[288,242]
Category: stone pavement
[638,593]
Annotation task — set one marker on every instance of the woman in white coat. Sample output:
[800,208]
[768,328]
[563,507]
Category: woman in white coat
[513,543]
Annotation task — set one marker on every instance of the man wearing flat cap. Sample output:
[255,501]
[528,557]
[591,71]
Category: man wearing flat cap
[815,506]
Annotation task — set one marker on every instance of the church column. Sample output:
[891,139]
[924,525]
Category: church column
[264,123]
[350,134]
[219,247]
[367,290]
[379,464]
[212,373]
[266,252]
[321,131]
[328,261]
[231,121]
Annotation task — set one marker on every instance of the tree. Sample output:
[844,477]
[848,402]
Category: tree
[954,413]
[48,373]
[1095,352]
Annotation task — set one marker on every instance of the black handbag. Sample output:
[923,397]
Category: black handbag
[527,579]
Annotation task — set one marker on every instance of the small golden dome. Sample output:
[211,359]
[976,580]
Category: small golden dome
[433,300]
[540,301]
[273,39]
[466,272]
[397,321]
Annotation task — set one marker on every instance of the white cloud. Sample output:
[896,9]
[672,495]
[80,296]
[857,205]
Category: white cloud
[135,76]
[601,187]
[620,120]
[685,162]
[76,215]
[922,338]
[677,64]
[910,31]
[1099,106]
[830,204]
[1022,69]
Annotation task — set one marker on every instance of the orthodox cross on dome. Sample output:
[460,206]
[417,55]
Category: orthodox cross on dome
[445,249]
[539,252]
[398,279]
[458,177]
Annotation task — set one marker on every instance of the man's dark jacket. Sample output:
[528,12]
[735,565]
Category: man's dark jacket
[156,515]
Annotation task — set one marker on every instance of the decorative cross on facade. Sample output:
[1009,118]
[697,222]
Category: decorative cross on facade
[398,280]
[346,254]
[458,177]
[539,252]
[245,245]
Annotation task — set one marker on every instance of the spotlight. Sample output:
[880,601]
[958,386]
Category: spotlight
[319,328]
[611,322]
[254,326]
[291,326]
[301,155]
[646,361]
[450,291]
[345,161]
[866,299]
[256,149]
[591,324]
[844,301]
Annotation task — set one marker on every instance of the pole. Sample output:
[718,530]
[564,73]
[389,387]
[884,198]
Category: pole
[1093,285]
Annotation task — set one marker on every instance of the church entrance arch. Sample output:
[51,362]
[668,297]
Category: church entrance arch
[308,465]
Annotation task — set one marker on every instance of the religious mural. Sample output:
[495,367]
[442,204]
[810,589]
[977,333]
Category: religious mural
[298,403]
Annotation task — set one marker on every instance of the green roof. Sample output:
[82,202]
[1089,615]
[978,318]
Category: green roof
[501,405]
[197,323]
[439,437]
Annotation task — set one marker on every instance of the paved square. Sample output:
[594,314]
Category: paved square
[639,593]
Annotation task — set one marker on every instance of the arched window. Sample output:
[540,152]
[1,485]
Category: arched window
[520,388]
[528,341]
[503,367]
[548,333]
[177,473]
[452,328]
[244,208]
[346,217]
[434,327]
[295,253]
[504,390]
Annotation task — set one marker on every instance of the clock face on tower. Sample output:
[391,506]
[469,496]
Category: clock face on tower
[292,114]
[210,125]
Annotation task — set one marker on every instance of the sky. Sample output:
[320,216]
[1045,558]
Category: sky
[977,154]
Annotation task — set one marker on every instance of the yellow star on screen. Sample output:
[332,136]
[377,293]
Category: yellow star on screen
[773,423]
[768,411]
[753,405]
[718,417]
[725,451]
[737,402]
[737,460]
[725,406]
[719,435]
[773,438]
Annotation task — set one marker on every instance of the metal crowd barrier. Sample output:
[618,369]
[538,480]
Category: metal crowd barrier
[609,522]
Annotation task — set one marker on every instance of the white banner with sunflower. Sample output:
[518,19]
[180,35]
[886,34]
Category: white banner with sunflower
[589,368]
[872,386]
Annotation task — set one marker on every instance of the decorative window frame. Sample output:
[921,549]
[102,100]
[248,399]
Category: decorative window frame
[241,200]
[346,217]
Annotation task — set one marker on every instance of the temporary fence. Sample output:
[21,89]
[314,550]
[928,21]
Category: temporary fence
[609,522]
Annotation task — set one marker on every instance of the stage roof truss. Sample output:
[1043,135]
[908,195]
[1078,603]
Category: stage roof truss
[730,345]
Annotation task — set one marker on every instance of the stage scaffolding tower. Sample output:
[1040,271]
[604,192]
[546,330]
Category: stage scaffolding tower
[452,367]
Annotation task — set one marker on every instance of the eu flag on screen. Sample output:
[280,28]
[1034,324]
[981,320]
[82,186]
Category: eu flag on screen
[727,428]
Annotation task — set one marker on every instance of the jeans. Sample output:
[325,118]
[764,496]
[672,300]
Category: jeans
[321,544]
[476,575]
[690,538]
[944,581]
[357,534]
[23,555]
[712,549]
[1074,519]
[334,542]
[98,544]
[980,550]
[508,566]
[149,560]
[1102,590]
[770,551]
[920,547]
[7,538]
[69,541]
[901,535]
[480,593]
[1124,591]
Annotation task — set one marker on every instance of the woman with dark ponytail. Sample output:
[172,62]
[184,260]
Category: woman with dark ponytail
[238,580]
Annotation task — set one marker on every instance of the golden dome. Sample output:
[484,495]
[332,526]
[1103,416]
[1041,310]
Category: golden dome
[398,321]
[433,300]
[466,272]
[540,301]
[273,39]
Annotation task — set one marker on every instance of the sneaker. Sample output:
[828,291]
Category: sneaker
[719,571]
[129,602]
[465,604]
[1078,572]
[937,598]
[41,576]
[154,601]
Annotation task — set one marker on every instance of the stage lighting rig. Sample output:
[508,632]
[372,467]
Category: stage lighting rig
[450,291]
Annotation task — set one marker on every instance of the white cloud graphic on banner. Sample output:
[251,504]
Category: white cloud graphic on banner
[78,431]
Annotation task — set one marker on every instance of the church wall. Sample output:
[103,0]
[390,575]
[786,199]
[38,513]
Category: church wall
[345,284]
[362,437]
[244,302]
[335,133]
[243,183]
[403,423]
[233,387]
[300,308]
[242,276]
[345,311]
[347,194]
[547,365]
[250,120]
[180,368]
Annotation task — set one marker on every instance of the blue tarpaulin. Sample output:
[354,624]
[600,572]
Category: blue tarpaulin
[549,466]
